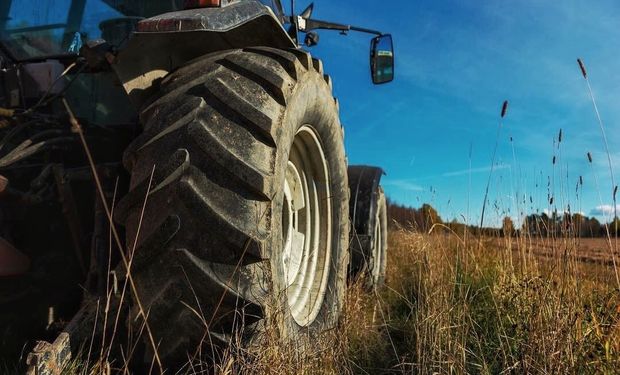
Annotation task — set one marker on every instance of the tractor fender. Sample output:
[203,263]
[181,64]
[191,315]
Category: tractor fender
[165,42]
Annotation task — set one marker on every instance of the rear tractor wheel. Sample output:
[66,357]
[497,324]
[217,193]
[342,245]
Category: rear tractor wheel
[368,213]
[246,222]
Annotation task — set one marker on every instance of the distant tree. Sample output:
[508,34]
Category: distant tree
[593,227]
[614,227]
[535,225]
[555,223]
[400,215]
[421,219]
[576,224]
[508,227]
[458,228]
[430,217]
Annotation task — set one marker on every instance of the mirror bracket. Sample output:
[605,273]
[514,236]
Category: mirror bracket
[307,24]
[381,60]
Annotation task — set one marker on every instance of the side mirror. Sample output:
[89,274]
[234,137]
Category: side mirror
[382,59]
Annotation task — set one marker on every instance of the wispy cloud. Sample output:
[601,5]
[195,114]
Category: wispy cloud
[475,170]
[604,210]
[404,184]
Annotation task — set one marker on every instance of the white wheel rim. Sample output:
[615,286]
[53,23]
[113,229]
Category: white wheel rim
[377,247]
[306,227]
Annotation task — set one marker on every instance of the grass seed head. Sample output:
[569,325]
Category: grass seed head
[583,68]
[504,108]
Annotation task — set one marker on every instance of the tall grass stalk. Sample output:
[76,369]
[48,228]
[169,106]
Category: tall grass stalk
[486,192]
[600,122]
[77,128]
[614,248]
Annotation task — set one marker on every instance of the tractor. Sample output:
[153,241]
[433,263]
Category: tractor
[160,158]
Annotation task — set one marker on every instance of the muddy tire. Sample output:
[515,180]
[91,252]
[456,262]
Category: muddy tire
[368,213]
[246,222]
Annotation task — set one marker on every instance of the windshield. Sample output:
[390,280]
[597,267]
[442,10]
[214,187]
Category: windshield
[37,28]
[32,29]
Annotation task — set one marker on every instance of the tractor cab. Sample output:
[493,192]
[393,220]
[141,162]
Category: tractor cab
[44,29]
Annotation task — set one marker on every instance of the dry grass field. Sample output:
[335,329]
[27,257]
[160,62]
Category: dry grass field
[455,305]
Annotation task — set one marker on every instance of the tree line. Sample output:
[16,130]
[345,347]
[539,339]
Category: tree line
[539,224]
[419,219]
[575,224]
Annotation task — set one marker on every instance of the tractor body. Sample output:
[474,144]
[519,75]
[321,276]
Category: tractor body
[102,62]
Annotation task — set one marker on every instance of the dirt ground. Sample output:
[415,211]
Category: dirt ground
[590,250]
[590,257]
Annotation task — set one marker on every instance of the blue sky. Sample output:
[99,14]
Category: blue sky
[433,130]
[456,62]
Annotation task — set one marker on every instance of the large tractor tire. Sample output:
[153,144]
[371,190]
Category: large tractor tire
[246,221]
[368,213]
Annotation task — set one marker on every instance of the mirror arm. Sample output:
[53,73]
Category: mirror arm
[367,31]
[306,25]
